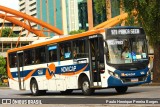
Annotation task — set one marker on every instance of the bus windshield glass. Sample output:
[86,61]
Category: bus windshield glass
[121,51]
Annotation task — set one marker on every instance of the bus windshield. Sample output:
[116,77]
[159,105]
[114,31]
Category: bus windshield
[121,51]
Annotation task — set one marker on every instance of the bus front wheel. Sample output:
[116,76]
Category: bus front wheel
[34,88]
[85,85]
[122,89]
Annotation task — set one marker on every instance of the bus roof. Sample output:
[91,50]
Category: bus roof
[56,40]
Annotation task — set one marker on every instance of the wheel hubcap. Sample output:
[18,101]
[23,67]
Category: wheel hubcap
[85,86]
[34,88]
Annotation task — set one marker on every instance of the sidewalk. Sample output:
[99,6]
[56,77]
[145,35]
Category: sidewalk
[2,87]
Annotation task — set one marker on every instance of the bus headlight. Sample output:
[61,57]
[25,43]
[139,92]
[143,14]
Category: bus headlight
[116,75]
[113,74]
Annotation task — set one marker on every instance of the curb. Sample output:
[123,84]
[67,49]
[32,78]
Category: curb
[151,84]
[4,87]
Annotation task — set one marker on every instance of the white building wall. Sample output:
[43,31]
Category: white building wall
[73,15]
[28,7]
[64,17]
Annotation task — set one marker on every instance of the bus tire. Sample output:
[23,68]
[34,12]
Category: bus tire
[85,85]
[34,88]
[121,89]
[66,92]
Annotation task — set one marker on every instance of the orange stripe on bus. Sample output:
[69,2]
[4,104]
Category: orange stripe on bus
[30,74]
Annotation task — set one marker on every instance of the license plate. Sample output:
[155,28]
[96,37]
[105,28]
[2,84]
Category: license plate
[134,80]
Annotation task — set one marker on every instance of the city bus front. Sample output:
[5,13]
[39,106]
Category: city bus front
[126,57]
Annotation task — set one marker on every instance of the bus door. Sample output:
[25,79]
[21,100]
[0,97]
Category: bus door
[20,69]
[94,56]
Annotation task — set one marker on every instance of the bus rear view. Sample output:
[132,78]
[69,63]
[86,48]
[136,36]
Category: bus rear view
[126,57]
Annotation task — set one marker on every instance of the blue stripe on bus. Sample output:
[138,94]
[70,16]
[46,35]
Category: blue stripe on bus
[132,73]
[59,70]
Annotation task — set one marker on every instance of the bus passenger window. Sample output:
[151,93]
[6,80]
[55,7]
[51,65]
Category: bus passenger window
[65,51]
[74,53]
[28,57]
[13,60]
[40,55]
[80,48]
[61,54]
[52,53]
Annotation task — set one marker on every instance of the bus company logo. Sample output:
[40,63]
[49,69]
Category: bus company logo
[142,73]
[52,68]
[50,71]
[68,69]
[127,74]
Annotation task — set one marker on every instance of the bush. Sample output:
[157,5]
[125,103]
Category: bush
[76,32]
[2,66]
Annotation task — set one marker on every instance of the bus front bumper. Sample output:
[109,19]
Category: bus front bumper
[115,82]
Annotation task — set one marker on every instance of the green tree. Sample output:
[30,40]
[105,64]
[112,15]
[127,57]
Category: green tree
[76,32]
[100,5]
[2,66]
[6,31]
[149,17]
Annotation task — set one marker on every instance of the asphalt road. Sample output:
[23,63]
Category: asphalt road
[134,94]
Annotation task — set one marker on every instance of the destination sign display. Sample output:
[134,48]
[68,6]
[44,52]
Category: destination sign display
[124,31]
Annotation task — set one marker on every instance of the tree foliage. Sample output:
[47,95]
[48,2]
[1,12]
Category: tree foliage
[99,6]
[6,31]
[76,32]
[2,65]
[149,17]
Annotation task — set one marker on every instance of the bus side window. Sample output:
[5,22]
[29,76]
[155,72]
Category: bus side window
[13,60]
[52,50]
[80,48]
[40,55]
[65,51]
[28,57]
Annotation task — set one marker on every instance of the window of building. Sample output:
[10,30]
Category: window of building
[115,7]
[34,14]
[34,9]
[33,4]
[22,4]
[22,9]
[83,14]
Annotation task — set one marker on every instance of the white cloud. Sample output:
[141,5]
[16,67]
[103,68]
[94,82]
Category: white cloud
[14,4]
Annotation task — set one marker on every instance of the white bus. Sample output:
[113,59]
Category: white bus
[87,61]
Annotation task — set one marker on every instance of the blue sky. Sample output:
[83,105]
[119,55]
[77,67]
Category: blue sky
[14,4]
